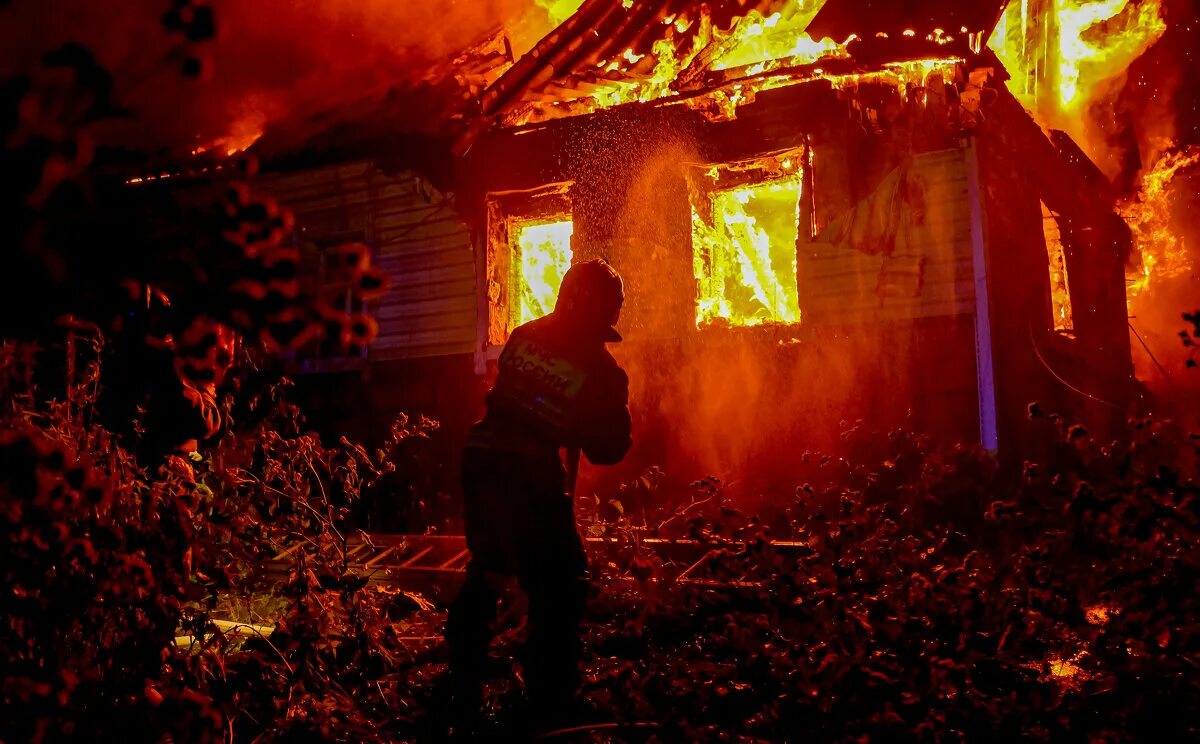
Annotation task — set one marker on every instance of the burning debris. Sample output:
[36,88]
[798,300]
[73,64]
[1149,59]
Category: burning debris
[1060,52]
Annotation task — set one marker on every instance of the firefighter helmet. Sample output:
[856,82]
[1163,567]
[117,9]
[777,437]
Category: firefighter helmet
[591,295]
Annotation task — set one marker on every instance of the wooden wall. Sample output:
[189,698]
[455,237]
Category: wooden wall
[928,273]
[416,237]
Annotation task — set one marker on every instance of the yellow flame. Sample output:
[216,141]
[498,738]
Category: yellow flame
[559,10]
[1060,287]
[1064,669]
[745,256]
[1107,53]
[1163,252]
[668,63]
[1060,51]
[543,257]
[759,40]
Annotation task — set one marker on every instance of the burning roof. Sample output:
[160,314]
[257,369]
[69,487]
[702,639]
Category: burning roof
[609,53]
[841,18]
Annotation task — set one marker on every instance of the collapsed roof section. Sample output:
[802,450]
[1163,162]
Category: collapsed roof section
[612,52]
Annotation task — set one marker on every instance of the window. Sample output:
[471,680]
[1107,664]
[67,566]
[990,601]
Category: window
[542,253]
[528,252]
[745,222]
[1060,288]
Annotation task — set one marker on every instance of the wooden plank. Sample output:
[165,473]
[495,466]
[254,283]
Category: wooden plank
[459,306]
[420,242]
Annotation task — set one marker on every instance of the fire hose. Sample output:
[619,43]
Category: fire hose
[573,454]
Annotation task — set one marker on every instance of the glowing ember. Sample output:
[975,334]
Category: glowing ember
[1063,668]
[543,255]
[745,253]
[1163,252]
[755,42]
[1066,672]
[1060,288]
[1099,614]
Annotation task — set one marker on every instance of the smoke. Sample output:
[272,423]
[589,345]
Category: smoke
[274,64]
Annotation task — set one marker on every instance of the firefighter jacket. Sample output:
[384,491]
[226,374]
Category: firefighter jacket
[557,388]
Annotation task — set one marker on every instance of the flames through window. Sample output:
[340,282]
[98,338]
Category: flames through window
[542,253]
[745,221]
[528,252]
[1060,288]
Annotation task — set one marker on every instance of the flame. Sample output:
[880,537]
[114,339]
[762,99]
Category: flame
[753,48]
[1064,669]
[745,255]
[668,63]
[242,135]
[1059,53]
[1060,287]
[759,41]
[1100,614]
[559,10]
[755,42]
[543,257]
[1164,254]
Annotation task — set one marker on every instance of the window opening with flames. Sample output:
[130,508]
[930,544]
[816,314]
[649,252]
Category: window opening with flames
[1060,287]
[745,223]
[528,252]
[542,253]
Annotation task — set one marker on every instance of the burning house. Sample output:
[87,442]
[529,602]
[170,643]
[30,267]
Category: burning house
[815,234]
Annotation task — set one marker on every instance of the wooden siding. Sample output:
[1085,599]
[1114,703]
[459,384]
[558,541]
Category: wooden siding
[928,277]
[416,237]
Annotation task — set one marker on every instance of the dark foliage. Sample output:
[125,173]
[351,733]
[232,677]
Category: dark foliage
[919,596]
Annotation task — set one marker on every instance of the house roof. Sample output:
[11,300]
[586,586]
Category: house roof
[610,44]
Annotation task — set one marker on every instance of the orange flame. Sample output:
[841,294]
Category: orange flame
[1164,254]
[242,135]
[1059,52]
[745,254]
[762,42]
[756,42]
[1100,614]
[1102,55]
[559,10]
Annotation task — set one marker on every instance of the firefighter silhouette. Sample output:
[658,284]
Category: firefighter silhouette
[557,389]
